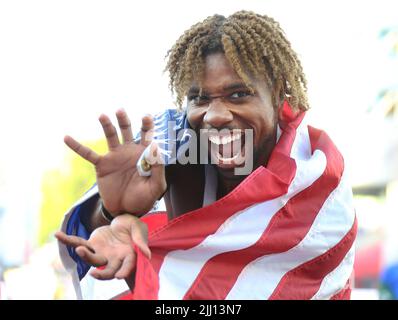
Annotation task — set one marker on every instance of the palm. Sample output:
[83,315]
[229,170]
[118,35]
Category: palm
[121,187]
[111,247]
[110,243]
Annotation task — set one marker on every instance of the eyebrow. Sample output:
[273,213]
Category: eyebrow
[234,86]
[230,87]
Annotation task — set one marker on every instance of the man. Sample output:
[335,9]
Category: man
[283,230]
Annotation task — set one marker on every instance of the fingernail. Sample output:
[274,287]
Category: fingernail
[148,253]
[148,116]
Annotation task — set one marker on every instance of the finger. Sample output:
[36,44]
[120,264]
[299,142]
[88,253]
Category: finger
[139,235]
[147,127]
[125,126]
[83,151]
[72,241]
[109,271]
[94,259]
[127,267]
[153,155]
[110,131]
[159,177]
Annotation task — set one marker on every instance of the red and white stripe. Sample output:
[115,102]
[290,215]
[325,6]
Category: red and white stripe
[286,232]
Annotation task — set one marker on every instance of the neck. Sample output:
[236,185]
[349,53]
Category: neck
[228,181]
[227,184]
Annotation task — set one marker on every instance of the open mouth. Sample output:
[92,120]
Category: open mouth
[227,149]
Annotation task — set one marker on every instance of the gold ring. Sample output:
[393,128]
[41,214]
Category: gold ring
[145,165]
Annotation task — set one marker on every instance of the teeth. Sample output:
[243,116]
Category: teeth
[224,139]
[227,159]
[215,139]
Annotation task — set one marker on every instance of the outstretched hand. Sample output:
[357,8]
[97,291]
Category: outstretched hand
[121,187]
[111,247]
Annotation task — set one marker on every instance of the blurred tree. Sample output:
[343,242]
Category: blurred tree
[62,186]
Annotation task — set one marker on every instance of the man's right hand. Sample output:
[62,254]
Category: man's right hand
[121,187]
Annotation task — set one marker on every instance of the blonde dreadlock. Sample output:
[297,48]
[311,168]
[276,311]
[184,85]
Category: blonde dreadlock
[255,45]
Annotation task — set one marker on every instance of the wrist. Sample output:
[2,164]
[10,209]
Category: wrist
[105,213]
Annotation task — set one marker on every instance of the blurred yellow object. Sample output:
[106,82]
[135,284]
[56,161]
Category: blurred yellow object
[62,186]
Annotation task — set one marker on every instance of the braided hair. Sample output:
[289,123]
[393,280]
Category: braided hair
[255,46]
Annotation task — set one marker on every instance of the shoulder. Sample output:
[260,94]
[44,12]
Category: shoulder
[170,115]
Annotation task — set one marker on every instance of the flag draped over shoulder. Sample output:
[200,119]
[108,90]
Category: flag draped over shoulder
[286,232]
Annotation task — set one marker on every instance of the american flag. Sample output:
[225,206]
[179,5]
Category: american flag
[286,232]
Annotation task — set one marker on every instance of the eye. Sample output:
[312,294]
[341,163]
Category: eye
[239,95]
[198,100]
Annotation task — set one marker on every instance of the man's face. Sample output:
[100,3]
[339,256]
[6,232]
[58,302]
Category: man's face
[227,104]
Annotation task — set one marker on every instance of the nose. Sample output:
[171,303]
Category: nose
[217,114]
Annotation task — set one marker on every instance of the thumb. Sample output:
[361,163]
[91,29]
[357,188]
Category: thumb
[158,172]
[139,235]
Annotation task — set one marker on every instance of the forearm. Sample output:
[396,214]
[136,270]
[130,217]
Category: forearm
[93,217]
